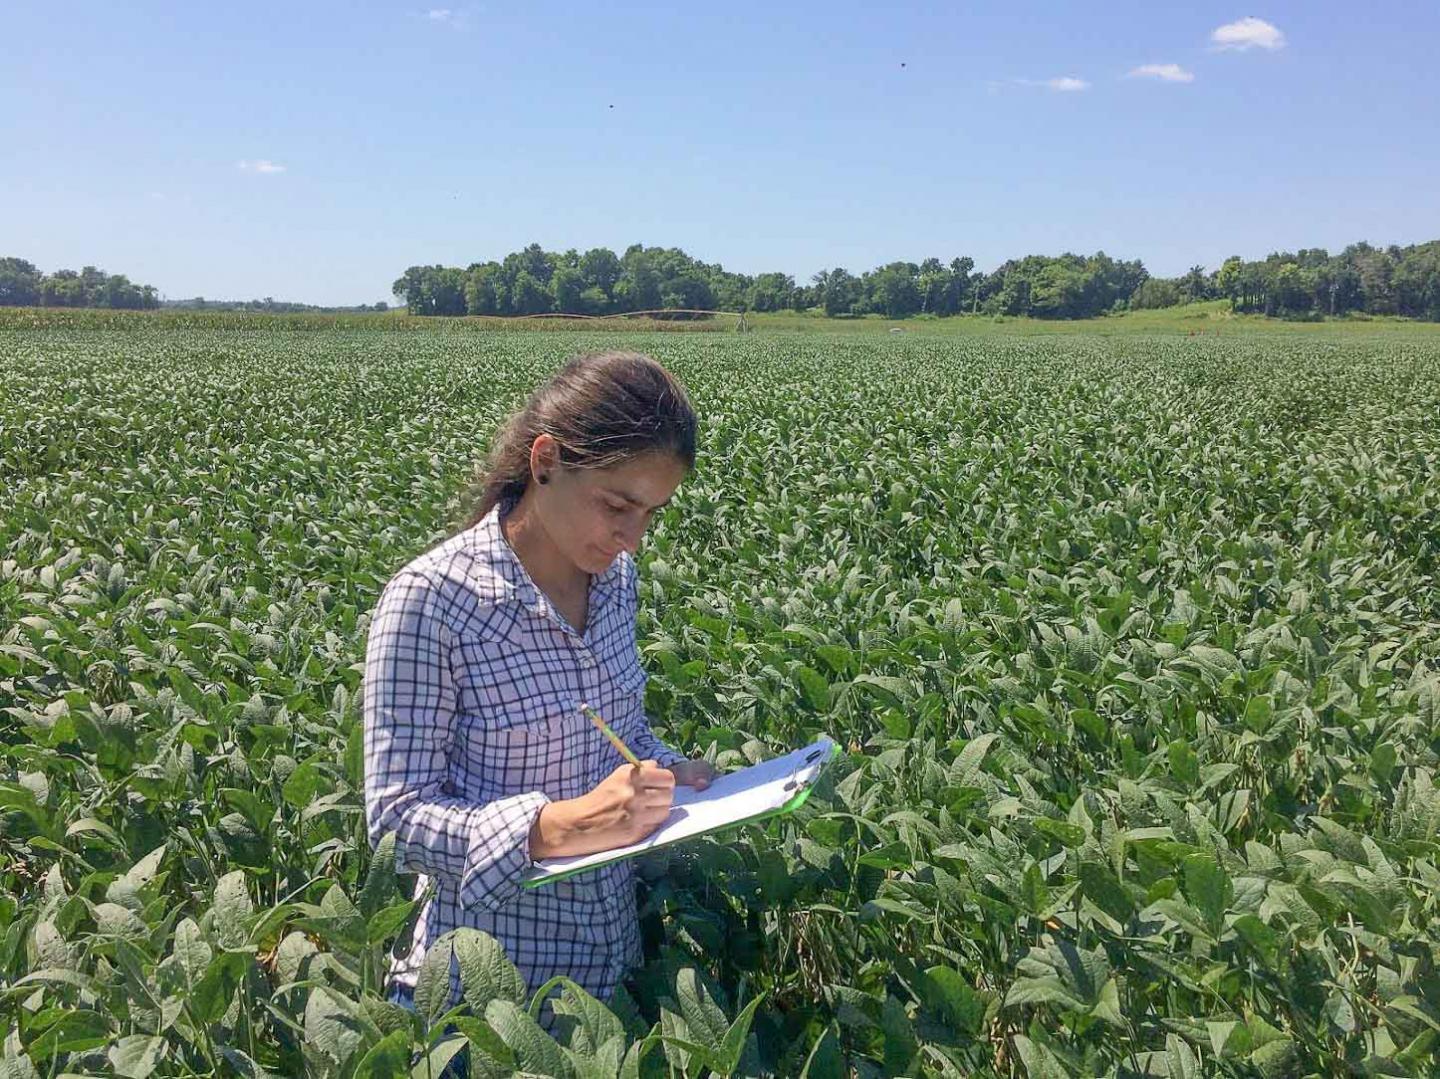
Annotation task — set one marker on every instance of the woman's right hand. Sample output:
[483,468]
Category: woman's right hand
[624,808]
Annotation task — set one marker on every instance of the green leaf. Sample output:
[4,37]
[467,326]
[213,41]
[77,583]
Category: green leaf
[232,910]
[380,882]
[1258,715]
[535,1051]
[1275,1059]
[91,826]
[60,1030]
[136,1055]
[1069,835]
[1184,765]
[901,1044]
[486,972]
[1033,891]
[305,784]
[1039,1061]
[825,1060]
[487,1051]
[433,984]
[1382,762]
[1103,888]
[217,988]
[703,1016]
[885,688]
[814,688]
[57,976]
[389,1058]
[1091,723]
[332,1026]
[727,1058]
[945,990]
[1058,972]
[384,923]
[1208,888]
[1180,1060]
[595,1023]
[433,1065]
[967,765]
[243,1066]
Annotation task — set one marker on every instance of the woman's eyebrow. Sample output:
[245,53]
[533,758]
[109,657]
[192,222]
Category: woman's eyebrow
[628,497]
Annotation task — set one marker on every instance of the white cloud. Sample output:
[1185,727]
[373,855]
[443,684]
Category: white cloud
[1248,33]
[1163,72]
[1063,84]
[260,165]
[455,18]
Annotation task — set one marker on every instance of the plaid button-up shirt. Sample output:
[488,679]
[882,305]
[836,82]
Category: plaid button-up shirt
[472,685]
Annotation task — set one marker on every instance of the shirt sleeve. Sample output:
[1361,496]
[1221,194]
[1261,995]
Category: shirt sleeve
[409,727]
[638,735]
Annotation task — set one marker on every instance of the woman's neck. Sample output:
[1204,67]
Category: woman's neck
[552,572]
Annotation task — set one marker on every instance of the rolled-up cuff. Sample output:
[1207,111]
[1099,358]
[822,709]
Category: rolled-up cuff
[499,853]
[648,744]
[668,758]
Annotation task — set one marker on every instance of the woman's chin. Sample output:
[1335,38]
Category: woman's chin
[598,561]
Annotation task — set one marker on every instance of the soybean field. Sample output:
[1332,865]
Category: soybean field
[1133,645]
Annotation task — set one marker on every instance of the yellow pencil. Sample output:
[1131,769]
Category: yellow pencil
[604,728]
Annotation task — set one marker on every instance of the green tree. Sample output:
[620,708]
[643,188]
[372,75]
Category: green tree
[529,296]
[480,285]
[62,289]
[771,292]
[638,288]
[19,282]
[895,289]
[1229,279]
[594,302]
[841,292]
[1155,292]
[568,284]
[601,268]
[1193,286]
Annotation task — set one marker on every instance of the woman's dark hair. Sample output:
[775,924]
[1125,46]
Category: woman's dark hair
[602,408]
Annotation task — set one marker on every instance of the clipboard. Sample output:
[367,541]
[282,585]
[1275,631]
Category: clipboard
[768,789]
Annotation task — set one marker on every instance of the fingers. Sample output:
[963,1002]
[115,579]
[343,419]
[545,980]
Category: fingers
[654,778]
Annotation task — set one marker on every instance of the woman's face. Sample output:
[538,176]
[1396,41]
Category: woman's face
[592,514]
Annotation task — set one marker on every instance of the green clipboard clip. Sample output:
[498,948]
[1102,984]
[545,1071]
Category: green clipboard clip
[538,879]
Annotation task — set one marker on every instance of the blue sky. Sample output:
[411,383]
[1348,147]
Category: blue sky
[312,152]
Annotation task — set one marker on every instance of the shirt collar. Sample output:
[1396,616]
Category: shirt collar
[604,588]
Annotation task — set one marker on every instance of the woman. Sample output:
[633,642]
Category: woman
[481,651]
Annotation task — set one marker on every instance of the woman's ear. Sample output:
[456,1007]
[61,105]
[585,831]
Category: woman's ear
[544,457]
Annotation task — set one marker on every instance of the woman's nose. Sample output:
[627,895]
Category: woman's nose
[628,536]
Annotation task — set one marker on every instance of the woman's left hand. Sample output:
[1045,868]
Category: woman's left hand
[698,774]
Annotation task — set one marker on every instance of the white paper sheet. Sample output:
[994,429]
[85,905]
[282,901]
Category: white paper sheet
[733,797]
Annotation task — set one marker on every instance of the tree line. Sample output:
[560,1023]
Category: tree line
[1310,283]
[270,306]
[22,285]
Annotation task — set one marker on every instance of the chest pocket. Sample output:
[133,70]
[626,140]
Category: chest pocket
[500,675]
[534,745]
[624,700]
[628,685]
